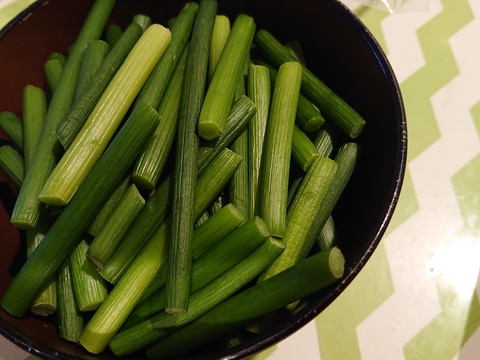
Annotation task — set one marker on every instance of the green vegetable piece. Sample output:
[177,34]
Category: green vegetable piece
[181,30]
[151,162]
[11,164]
[301,214]
[34,111]
[105,243]
[275,168]
[12,126]
[259,90]
[221,31]
[185,171]
[70,318]
[92,59]
[89,287]
[230,67]
[304,150]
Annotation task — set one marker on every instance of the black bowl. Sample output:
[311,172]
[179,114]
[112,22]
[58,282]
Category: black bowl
[338,48]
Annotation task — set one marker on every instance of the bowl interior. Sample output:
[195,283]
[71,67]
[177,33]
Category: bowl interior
[338,49]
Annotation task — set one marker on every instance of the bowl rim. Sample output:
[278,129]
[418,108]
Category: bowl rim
[305,316]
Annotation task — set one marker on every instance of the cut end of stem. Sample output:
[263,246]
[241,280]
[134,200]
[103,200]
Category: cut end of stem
[357,130]
[336,262]
[209,130]
[51,199]
[175,311]
[43,309]
[315,124]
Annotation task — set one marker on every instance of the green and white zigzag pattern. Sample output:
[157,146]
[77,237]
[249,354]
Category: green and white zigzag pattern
[417,299]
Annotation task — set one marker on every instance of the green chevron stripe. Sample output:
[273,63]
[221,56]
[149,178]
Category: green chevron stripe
[336,325]
[460,316]
[440,68]
[475,111]
[372,18]
[11,10]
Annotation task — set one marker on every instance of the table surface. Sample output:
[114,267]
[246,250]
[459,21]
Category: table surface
[419,291]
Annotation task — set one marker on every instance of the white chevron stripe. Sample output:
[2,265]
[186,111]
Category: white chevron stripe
[301,345]
[431,172]
[404,51]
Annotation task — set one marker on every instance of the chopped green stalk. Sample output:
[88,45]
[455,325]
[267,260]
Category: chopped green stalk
[102,181]
[89,287]
[216,205]
[301,214]
[232,249]
[151,216]
[259,90]
[239,186]
[105,243]
[57,56]
[220,94]
[125,295]
[181,30]
[346,158]
[73,121]
[185,170]
[327,236]
[143,20]
[110,205]
[215,292]
[208,186]
[221,31]
[202,219]
[11,164]
[275,168]
[113,33]
[304,279]
[151,162]
[330,104]
[215,228]
[27,208]
[308,117]
[70,319]
[218,225]
[12,126]
[242,112]
[100,127]
[324,143]
[304,151]
[53,69]
[46,303]
[34,110]
[92,58]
